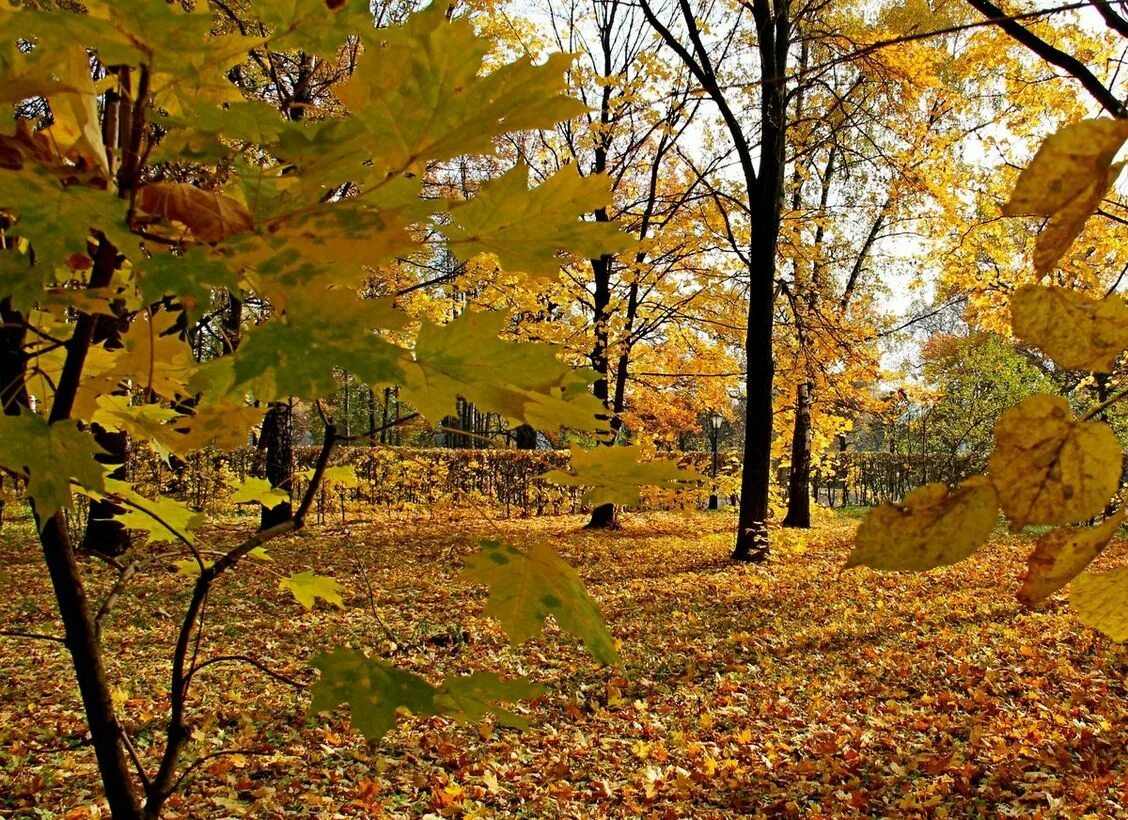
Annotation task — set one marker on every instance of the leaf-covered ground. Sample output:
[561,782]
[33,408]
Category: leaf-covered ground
[788,689]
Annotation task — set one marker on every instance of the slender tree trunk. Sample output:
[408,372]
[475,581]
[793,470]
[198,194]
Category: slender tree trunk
[604,516]
[277,443]
[80,628]
[799,480]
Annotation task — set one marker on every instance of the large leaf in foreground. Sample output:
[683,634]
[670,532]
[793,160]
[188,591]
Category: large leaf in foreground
[1060,555]
[469,698]
[50,456]
[1066,181]
[523,381]
[931,527]
[1101,601]
[375,691]
[1076,331]
[614,475]
[1050,468]
[527,587]
[526,229]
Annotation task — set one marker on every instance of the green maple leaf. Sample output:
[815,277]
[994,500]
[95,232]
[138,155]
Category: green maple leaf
[162,519]
[374,690]
[469,698]
[191,277]
[50,456]
[258,490]
[307,587]
[421,92]
[55,220]
[527,587]
[525,382]
[527,229]
[613,475]
[322,330]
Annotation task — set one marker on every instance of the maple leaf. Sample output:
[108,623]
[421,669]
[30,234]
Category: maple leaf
[1066,181]
[1060,555]
[191,277]
[162,519]
[513,223]
[307,587]
[1101,601]
[1077,332]
[52,217]
[374,690]
[527,587]
[50,455]
[524,382]
[613,475]
[209,216]
[932,527]
[220,422]
[154,356]
[1049,468]
[298,354]
[258,490]
[423,95]
[469,698]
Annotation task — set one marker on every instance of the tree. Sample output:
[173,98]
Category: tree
[763,180]
[88,228]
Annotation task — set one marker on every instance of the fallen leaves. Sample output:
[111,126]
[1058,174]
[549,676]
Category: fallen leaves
[786,689]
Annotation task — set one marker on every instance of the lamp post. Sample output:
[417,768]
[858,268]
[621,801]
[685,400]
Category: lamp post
[715,420]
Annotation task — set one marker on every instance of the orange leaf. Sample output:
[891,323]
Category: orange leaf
[210,216]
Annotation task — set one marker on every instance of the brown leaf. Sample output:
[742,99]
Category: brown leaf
[209,215]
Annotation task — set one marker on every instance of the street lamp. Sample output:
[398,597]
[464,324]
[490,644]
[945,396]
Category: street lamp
[715,420]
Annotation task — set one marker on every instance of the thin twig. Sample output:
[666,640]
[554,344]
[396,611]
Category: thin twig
[1104,405]
[38,636]
[198,762]
[372,600]
[266,670]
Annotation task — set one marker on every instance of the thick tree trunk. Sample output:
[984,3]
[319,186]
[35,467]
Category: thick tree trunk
[799,480]
[773,30]
[277,443]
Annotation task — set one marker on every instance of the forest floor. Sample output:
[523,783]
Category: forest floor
[785,689]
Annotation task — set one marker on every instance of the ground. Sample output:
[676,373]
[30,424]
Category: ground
[788,689]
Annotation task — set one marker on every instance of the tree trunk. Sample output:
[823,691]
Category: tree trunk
[799,480]
[104,533]
[277,443]
[605,515]
[766,201]
[525,437]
